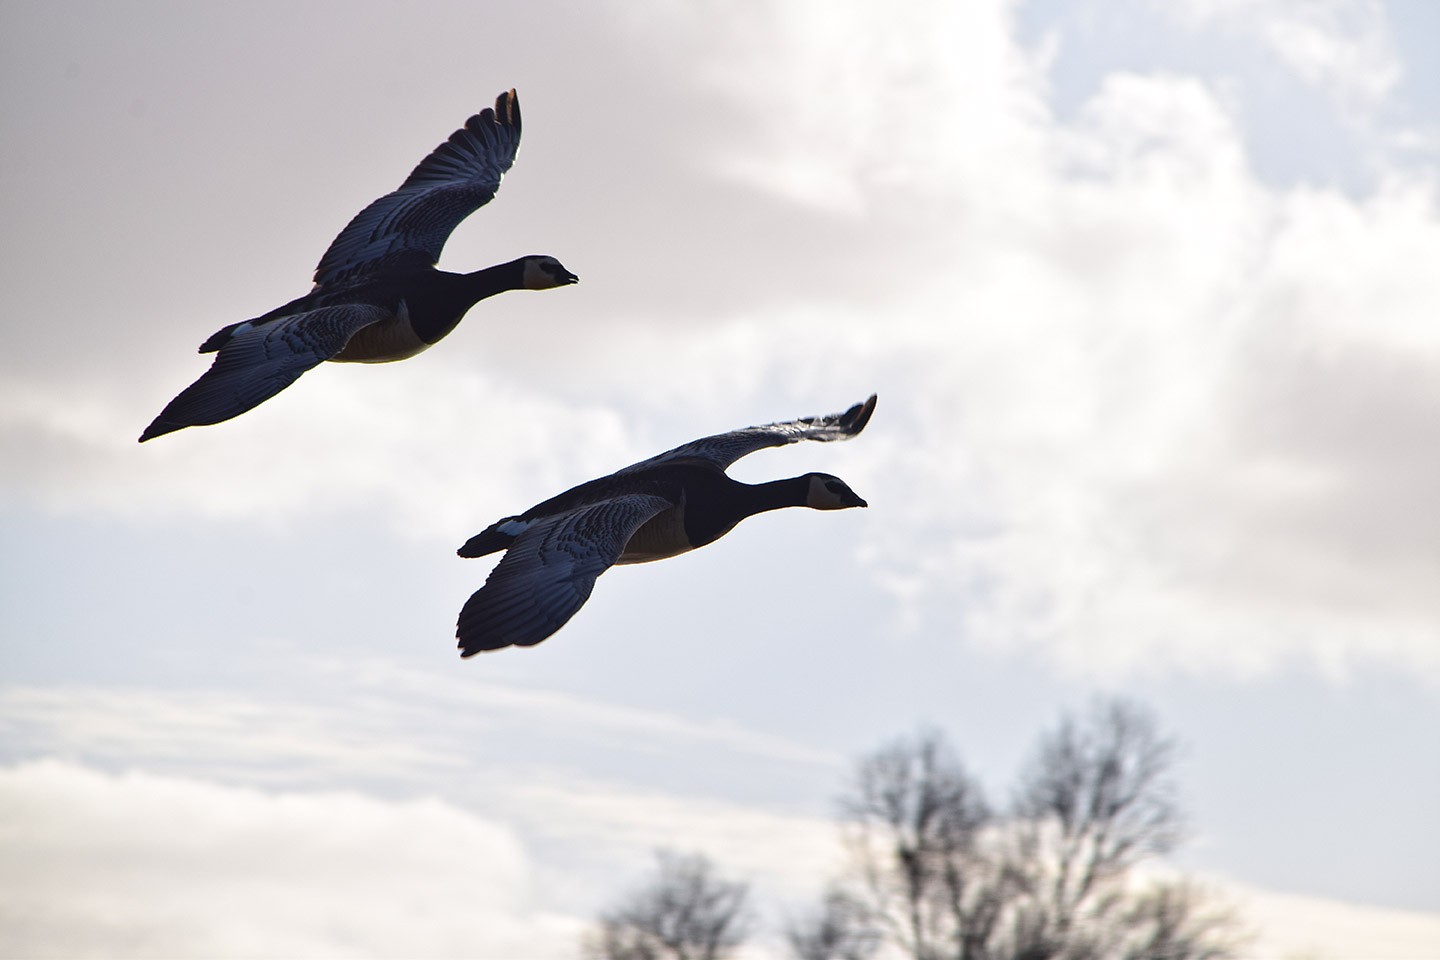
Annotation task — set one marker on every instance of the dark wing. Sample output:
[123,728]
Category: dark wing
[724,449]
[408,228]
[257,363]
[548,572]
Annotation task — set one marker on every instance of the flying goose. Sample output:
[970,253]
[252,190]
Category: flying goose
[377,295]
[657,508]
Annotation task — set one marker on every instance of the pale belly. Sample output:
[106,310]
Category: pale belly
[382,342]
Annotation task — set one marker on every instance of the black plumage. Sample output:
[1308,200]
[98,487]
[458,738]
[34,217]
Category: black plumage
[377,295]
[660,507]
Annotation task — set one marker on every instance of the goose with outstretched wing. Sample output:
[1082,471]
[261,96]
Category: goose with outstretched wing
[377,295]
[661,507]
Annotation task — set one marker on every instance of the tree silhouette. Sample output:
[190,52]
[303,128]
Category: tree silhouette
[938,873]
[839,930]
[943,876]
[686,912]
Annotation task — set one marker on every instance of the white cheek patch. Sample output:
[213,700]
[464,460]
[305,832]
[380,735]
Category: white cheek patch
[818,496]
[821,497]
[541,273]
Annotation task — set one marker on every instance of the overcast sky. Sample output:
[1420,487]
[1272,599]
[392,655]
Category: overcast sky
[1148,290]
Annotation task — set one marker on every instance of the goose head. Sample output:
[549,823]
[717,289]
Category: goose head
[830,493]
[542,273]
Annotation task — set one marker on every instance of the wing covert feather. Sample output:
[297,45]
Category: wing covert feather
[255,364]
[723,449]
[547,574]
[409,226]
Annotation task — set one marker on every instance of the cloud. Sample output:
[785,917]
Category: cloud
[1208,403]
[868,112]
[221,735]
[597,825]
[554,773]
[1316,929]
[433,438]
[366,721]
[553,765]
[145,865]
[1139,410]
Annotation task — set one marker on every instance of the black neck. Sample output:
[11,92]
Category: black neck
[437,309]
[471,288]
[707,518]
[774,495]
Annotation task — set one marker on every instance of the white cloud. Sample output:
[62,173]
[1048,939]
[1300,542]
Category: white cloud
[1189,422]
[1315,929]
[222,735]
[862,109]
[394,729]
[1138,410]
[599,825]
[382,725]
[432,438]
[141,865]
[361,721]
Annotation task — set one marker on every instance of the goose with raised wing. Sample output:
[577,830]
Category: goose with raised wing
[377,295]
[667,505]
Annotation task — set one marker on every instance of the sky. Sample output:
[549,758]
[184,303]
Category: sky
[1147,292]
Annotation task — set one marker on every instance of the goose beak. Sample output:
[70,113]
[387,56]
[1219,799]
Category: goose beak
[567,277]
[859,502]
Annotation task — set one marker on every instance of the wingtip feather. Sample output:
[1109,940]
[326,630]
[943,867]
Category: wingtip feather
[159,429]
[859,415]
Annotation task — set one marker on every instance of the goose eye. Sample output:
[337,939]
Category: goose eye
[833,486]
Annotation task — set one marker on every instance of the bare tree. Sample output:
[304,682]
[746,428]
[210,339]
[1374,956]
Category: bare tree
[1175,921]
[686,912]
[1096,800]
[947,878]
[839,930]
[918,823]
